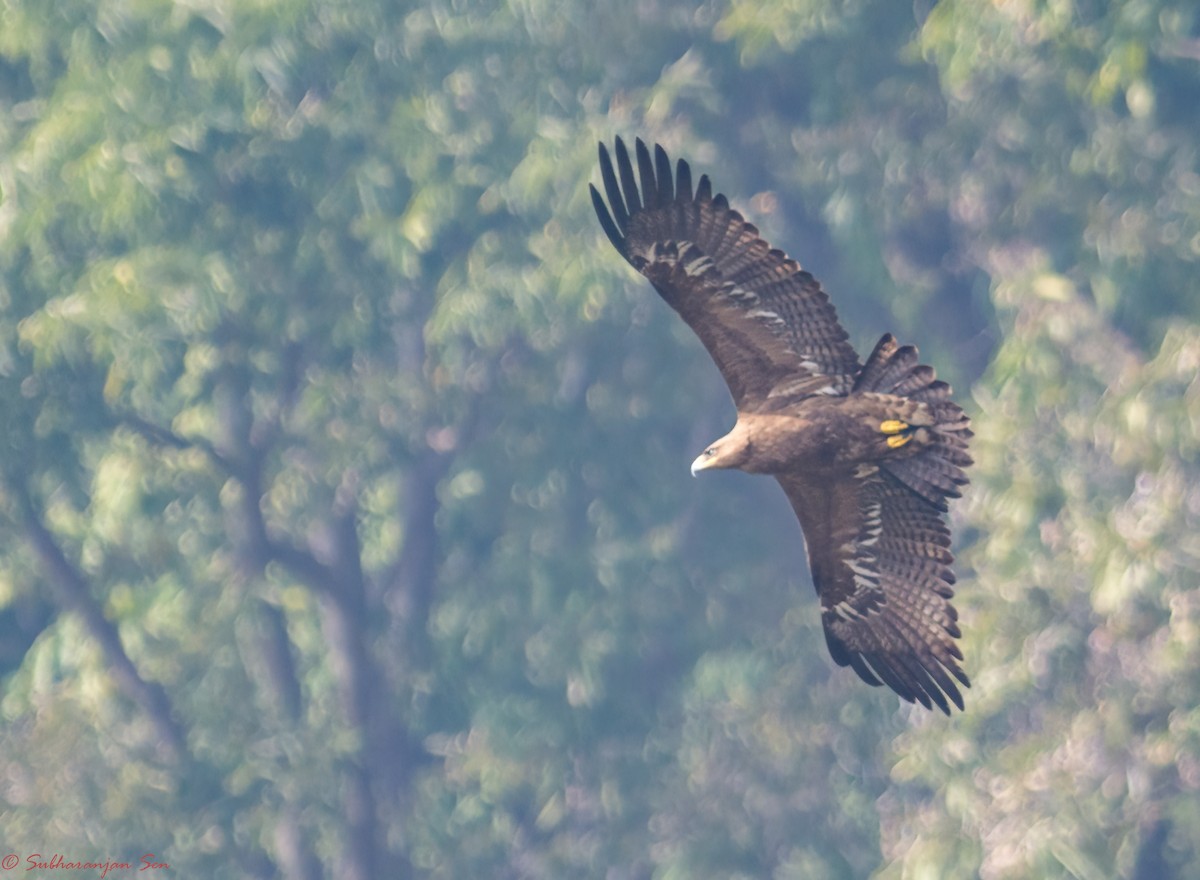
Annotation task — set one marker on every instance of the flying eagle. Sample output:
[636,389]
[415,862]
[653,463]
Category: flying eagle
[866,453]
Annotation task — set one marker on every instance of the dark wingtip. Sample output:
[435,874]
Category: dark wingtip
[620,216]
[650,195]
[662,171]
[941,683]
[683,181]
[651,184]
[633,201]
[954,695]
[606,221]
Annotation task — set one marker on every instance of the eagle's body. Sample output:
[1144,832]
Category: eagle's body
[816,434]
[866,453]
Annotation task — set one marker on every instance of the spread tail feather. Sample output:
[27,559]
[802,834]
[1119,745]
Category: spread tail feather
[936,471]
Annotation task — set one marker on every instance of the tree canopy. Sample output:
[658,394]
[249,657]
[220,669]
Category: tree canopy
[345,522]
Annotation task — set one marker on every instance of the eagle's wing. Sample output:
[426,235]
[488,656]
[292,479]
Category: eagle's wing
[880,560]
[766,322]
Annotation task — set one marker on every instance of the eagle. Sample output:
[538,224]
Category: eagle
[867,453]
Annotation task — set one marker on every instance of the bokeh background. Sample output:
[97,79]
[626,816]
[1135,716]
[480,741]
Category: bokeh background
[345,522]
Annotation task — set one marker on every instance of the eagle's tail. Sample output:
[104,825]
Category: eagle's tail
[936,471]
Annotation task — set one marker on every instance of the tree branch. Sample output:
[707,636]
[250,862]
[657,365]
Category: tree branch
[72,592]
[331,565]
[410,581]
[159,436]
[345,624]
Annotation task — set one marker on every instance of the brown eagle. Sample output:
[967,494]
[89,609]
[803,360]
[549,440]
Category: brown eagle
[867,453]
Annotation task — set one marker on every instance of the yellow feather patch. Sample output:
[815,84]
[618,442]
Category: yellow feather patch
[893,426]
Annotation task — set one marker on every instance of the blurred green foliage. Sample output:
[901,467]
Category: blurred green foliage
[344,514]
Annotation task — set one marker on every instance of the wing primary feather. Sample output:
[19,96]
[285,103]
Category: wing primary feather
[924,670]
[662,166]
[898,679]
[633,202]
[646,173]
[938,674]
[928,686]
[683,181]
[613,190]
[704,189]
[610,228]
[920,687]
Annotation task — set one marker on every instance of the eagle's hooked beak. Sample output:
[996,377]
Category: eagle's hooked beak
[703,460]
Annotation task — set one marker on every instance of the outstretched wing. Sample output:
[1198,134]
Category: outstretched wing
[766,322]
[880,560]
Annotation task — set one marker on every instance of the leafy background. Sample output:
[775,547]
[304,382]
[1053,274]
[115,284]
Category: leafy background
[344,514]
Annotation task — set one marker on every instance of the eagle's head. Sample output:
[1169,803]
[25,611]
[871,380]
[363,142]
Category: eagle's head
[731,451]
